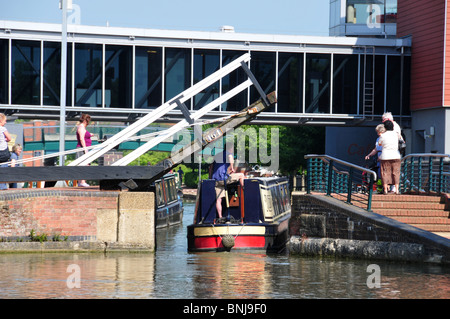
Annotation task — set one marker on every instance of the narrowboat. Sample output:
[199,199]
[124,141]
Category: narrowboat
[253,218]
[168,201]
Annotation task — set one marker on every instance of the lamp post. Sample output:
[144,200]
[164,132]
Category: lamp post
[64,5]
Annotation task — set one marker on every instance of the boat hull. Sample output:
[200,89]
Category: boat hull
[165,220]
[269,237]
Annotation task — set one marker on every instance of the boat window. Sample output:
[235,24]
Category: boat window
[159,194]
[169,190]
[172,190]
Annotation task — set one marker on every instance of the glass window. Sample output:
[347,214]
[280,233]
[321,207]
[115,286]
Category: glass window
[88,74]
[406,86]
[393,84]
[290,82]
[230,81]
[345,84]
[148,77]
[263,67]
[4,72]
[178,72]
[26,68]
[206,62]
[317,86]
[52,73]
[118,76]
[365,11]
[391,11]
[159,194]
[394,102]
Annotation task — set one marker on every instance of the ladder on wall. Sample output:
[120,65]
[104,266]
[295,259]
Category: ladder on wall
[369,85]
[177,101]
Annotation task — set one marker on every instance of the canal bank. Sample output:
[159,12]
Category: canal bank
[324,226]
[89,220]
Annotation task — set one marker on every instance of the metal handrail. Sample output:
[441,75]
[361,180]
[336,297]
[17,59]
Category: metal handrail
[334,176]
[425,173]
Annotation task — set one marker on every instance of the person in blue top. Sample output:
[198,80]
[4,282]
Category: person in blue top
[224,172]
[15,154]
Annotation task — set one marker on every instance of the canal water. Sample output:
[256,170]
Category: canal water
[172,272]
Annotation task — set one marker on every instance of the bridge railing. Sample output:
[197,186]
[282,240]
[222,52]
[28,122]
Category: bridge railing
[425,173]
[342,180]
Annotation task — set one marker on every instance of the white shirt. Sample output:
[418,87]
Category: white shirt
[3,143]
[389,144]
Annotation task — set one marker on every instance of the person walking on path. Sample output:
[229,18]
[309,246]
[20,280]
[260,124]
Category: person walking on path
[84,140]
[5,137]
[15,155]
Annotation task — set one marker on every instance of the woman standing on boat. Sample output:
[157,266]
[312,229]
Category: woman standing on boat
[84,140]
[224,173]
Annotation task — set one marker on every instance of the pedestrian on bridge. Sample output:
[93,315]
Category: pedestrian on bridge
[16,151]
[380,129]
[84,140]
[5,137]
[390,159]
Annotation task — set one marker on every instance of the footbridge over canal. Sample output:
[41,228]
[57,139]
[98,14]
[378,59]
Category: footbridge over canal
[123,225]
[138,178]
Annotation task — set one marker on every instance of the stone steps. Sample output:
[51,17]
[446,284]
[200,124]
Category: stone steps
[421,211]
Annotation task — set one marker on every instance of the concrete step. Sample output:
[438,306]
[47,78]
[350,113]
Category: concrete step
[407,205]
[432,227]
[424,221]
[405,198]
[443,234]
[421,211]
[397,212]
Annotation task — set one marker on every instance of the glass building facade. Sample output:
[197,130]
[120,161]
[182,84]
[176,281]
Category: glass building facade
[105,74]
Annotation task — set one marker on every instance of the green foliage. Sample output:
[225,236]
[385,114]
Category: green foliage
[296,142]
[40,238]
[150,157]
[191,178]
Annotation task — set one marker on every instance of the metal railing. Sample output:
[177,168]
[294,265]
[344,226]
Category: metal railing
[425,173]
[342,180]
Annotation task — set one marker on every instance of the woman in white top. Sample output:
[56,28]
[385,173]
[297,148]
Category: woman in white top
[390,159]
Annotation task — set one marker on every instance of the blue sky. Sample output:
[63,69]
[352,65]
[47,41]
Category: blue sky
[298,17]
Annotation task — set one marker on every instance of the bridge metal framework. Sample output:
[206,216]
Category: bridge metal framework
[139,178]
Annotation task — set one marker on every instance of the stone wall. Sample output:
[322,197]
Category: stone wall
[115,218]
[322,225]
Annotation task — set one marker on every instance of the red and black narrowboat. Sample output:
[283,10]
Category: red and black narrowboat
[255,218]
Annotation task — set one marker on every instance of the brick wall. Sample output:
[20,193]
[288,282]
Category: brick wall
[62,212]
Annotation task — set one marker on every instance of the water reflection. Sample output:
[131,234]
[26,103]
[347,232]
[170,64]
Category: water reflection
[172,272]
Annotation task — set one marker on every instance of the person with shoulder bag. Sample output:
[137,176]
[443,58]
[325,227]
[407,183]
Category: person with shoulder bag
[390,159]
